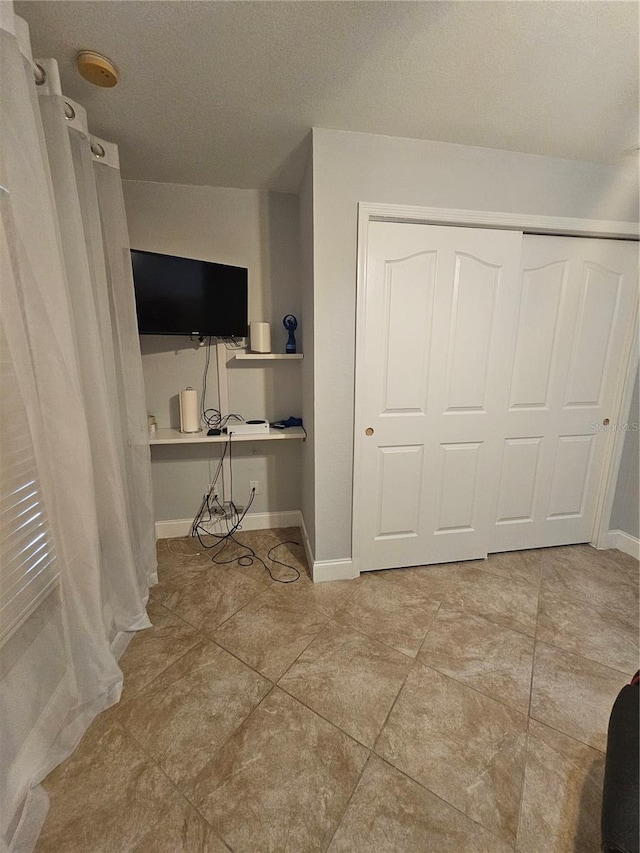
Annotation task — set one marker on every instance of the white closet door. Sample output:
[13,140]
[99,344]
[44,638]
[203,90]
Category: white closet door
[434,365]
[576,314]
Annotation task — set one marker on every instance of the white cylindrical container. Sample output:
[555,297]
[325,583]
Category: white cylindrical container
[260,337]
[189,416]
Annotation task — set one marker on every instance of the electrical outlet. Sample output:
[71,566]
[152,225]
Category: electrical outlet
[254,486]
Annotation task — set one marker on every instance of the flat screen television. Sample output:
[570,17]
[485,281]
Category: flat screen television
[181,296]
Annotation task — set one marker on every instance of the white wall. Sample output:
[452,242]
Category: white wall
[308,366]
[247,228]
[352,167]
[625,515]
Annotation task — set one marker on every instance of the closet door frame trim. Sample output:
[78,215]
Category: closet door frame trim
[550,225]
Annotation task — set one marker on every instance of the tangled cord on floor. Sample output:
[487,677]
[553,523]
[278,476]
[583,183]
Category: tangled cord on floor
[250,558]
[245,560]
[223,539]
[207,514]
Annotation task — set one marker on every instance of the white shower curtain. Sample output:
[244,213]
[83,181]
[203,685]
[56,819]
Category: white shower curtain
[74,430]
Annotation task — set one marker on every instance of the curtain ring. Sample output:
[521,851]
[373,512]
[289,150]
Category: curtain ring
[96,149]
[40,74]
[69,112]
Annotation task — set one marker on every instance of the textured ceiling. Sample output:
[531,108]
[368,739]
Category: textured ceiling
[224,93]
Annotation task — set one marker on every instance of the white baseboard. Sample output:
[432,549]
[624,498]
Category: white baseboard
[173,529]
[326,570]
[307,543]
[333,570]
[252,521]
[624,542]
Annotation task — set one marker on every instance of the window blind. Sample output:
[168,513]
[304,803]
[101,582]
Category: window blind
[28,568]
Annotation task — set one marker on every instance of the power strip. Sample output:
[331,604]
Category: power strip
[223,512]
[229,512]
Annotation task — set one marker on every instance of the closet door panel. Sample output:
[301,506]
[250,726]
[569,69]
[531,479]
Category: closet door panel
[576,317]
[458,493]
[474,298]
[488,365]
[399,491]
[542,292]
[599,291]
[408,302]
[518,481]
[568,494]
[435,356]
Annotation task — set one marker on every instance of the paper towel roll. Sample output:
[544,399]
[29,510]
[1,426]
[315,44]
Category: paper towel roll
[189,417]
[260,337]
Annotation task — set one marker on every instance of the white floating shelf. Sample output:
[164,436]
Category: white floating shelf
[174,436]
[267,356]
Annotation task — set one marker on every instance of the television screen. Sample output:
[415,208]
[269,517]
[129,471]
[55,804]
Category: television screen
[180,296]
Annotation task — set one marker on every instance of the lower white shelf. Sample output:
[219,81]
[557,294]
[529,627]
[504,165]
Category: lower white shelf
[174,436]
[268,356]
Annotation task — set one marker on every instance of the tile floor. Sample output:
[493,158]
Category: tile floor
[446,708]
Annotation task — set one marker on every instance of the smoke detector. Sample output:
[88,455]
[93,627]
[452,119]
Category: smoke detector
[97,69]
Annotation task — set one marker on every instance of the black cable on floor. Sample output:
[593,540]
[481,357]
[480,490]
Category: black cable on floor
[249,559]
[206,514]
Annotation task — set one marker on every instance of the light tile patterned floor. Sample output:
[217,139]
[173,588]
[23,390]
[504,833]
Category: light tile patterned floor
[447,708]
